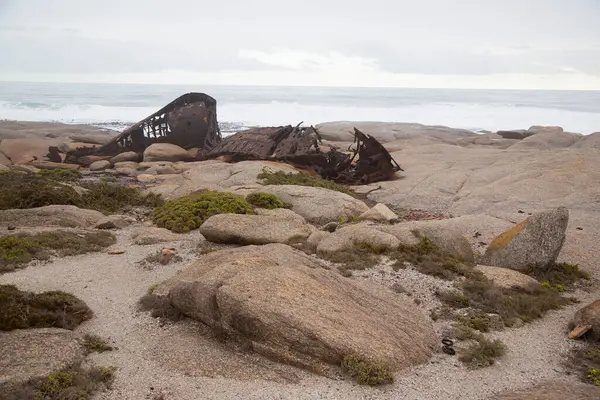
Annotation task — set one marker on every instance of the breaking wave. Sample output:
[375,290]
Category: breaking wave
[234,116]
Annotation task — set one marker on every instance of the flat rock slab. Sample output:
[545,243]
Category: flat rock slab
[508,278]
[534,242]
[288,307]
[273,226]
[63,216]
[318,205]
[34,353]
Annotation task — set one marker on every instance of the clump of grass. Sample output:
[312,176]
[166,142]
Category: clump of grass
[21,191]
[189,212]
[367,372]
[21,310]
[18,250]
[483,353]
[560,276]
[152,288]
[300,179]
[477,321]
[585,360]
[60,174]
[265,200]
[482,295]
[94,343]
[73,383]
[355,259]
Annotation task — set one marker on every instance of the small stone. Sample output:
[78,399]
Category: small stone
[115,252]
[11,227]
[330,227]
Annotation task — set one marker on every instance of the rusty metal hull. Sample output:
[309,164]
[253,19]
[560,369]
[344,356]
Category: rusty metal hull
[367,162]
[189,121]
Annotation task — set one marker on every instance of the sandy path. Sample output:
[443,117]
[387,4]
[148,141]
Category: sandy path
[183,362]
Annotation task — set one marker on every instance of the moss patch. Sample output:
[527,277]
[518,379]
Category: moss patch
[22,191]
[300,179]
[189,212]
[74,383]
[367,372]
[18,250]
[54,309]
[265,200]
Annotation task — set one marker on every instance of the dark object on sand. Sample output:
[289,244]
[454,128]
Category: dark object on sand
[189,121]
[302,147]
[448,347]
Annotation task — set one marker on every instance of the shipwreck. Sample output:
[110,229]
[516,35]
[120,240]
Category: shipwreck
[190,122]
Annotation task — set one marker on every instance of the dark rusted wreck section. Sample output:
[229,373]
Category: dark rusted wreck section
[302,147]
[189,121]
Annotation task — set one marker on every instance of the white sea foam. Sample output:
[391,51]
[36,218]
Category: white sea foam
[235,116]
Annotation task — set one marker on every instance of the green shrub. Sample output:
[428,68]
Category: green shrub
[366,372]
[110,198]
[300,179]
[559,276]
[585,360]
[21,310]
[18,250]
[72,383]
[265,200]
[189,212]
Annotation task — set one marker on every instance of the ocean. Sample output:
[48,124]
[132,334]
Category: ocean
[116,106]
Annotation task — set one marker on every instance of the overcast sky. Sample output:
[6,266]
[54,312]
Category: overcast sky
[547,44]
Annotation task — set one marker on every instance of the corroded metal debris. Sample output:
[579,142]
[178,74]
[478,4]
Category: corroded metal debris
[367,162]
[189,121]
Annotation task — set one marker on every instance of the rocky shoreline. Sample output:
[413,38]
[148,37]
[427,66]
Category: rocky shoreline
[236,280]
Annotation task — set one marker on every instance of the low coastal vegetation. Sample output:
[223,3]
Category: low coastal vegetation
[265,200]
[72,383]
[94,343]
[300,179]
[54,309]
[370,373]
[585,362]
[189,212]
[57,187]
[18,250]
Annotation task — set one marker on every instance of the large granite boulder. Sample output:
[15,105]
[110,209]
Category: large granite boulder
[55,215]
[27,354]
[124,157]
[586,320]
[591,141]
[318,205]
[535,242]
[24,151]
[287,306]
[350,236]
[100,165]
[166,152]
[269,226]
[546,140]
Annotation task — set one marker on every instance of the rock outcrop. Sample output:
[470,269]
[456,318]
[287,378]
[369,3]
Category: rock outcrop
[508,278]
[586,320]
[56,215]
[318,205]
[27,354]
[536,242]
[166,152]
[100,165]
[591,141]
[114,222]
[286,306]
[269,226]
[126,156]
[379,212]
